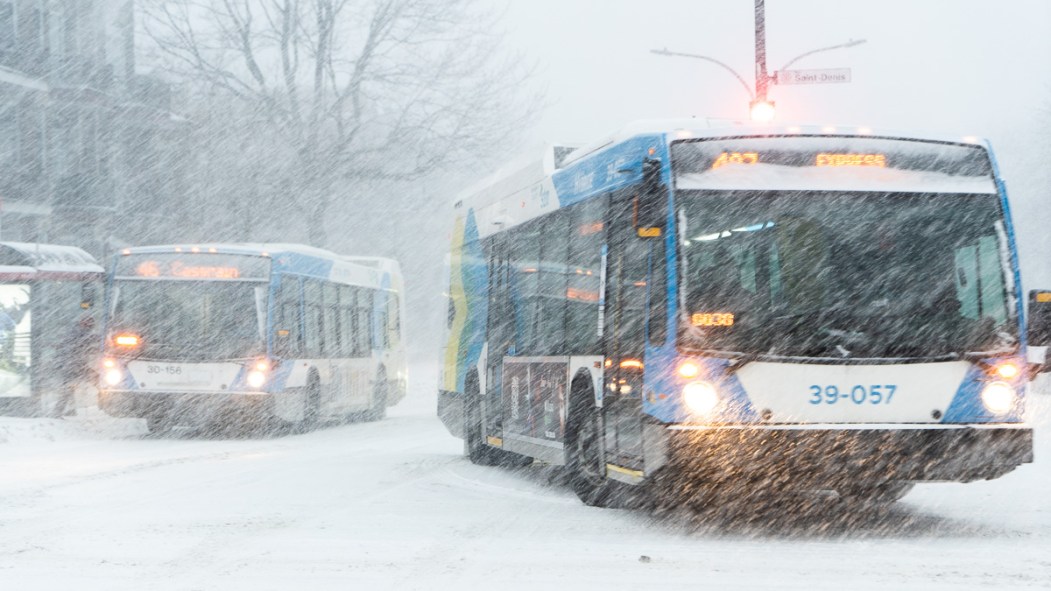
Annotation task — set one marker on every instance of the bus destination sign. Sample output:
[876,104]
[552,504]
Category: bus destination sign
[193,266]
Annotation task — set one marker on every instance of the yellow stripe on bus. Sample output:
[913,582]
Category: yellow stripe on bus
[459,300]
[623,470]
[494,441]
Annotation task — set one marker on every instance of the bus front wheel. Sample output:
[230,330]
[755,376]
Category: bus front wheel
[585,461]
[158,423]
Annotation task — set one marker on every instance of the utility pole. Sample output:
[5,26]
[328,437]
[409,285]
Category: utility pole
[762,109]
[760,105]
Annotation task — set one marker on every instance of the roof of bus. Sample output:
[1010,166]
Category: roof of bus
[21,257]
[267,249]
[245,248]
[521,173]
[368,266]
[679,129]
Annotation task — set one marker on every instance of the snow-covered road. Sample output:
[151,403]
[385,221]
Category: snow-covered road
[91,503]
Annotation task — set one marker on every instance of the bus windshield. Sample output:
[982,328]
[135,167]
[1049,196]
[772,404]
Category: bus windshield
[844,274]
[191,320]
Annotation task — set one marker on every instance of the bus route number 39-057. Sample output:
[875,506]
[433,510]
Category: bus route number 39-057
[859,394]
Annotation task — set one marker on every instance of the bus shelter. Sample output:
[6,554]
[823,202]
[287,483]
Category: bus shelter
[47,294]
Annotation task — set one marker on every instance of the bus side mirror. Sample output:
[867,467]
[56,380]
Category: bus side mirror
[283,343]
[651,206]
[1039,329]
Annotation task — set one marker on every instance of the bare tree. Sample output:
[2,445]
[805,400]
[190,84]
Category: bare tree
[336,92]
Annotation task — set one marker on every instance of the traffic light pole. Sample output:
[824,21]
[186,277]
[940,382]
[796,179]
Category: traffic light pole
[762,80]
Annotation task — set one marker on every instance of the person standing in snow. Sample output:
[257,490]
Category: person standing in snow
[78,363]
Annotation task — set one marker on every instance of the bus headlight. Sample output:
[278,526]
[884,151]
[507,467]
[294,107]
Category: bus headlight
[113,376]
[998,397]
[257,375]
[700,397]
[256,378]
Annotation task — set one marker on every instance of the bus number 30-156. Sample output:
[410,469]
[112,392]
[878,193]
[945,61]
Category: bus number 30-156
[859,394]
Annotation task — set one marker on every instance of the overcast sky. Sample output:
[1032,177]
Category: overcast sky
[963,67]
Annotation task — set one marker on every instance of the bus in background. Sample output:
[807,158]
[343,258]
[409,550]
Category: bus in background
[677,309]
[45,291]
[210,333]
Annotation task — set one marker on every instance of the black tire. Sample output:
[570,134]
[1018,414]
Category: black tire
[158,423]
[55,405]
[311,404]
[585,461]
[475,446]
[380,394]
[882,494]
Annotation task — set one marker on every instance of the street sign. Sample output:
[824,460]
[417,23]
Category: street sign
[830,76]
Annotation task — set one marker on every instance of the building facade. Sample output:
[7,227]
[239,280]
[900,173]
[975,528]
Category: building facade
[83,139]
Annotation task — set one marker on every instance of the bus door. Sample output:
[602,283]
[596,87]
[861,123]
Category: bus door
[625,334]
[500,334]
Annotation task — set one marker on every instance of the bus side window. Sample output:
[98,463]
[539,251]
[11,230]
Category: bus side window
[312,340]
[286,327]
[524,286]
[346,321]
[382,327]
[394,320]
[586,234]
[363,326]
[330,324]
[551,290]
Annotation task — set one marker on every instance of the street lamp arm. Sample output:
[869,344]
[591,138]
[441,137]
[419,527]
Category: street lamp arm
[709,59]
[850,43]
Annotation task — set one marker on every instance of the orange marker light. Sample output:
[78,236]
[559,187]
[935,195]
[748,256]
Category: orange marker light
[689,369]
[1007,370]
[631,364]
[126,340]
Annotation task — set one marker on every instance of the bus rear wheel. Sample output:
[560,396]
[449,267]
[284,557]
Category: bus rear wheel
[311,405]
[158,423]
[378,409]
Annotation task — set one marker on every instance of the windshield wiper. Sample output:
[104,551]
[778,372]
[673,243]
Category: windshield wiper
[737,359]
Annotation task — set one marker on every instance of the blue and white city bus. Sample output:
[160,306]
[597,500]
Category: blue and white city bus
[808,308]
[205,333]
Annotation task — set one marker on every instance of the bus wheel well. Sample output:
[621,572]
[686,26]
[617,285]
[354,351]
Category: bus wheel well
[379,396]
[312,400]
[585,454]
